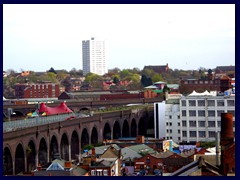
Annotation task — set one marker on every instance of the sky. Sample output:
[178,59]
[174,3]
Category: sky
[37,37]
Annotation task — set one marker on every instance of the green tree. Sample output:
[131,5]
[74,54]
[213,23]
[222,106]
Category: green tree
[157,77]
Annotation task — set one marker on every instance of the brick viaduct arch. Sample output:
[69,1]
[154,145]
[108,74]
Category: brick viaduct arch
[31,146]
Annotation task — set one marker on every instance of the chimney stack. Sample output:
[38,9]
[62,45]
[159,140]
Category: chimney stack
[226,142]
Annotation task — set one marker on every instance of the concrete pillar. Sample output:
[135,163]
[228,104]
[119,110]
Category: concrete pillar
[69,152]
[36,160]
[13,162]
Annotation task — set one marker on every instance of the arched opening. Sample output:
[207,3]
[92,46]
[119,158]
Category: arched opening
[31,155]
[42,156]
[94,136]
[74,145]
[7,162]
[125,129]
[64,147]
[133,128]
[19,160]
[116,130]
[141,127]
[53,147]
[84,138]
[107,132]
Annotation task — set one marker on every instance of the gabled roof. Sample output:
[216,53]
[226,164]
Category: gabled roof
[194,166]
[132,152]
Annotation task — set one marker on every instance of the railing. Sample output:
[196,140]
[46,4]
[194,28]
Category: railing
[35,121]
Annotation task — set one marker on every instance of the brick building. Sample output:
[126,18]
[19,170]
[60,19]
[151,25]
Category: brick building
[219,84]
[45,90]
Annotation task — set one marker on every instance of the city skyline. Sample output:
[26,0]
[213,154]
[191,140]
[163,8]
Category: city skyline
[186,36]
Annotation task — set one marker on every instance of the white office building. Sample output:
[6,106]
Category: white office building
[94,56]
[167,119]
[201,115]
[192,118]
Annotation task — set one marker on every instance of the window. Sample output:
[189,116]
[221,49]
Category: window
[179,131]
[183,112]
[201,133]
[201,123]
[148,160]
[201,113]
[105,172]
[170,117]
[230,103]
[193,134]
[201,103]
[178,117]
[179,139]
[206,82]
[211,103]
[166,123]
[170,124]
[192,103]
[183,103]
[184,133]
[167,130]
[211,134]
[178,124]
[192,123]
[220,103]
[211,123]
[184,123]
[219,124]
[211,113]
[192,113]
[219,112]
[93,172]
[170,130]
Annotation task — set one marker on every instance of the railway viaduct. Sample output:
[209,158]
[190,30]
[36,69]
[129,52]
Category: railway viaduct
[24,149]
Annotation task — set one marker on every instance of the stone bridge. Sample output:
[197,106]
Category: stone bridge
[24,149]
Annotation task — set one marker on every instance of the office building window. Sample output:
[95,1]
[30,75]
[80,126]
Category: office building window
[211,123]
[220,103]
[179,131]
[201,103]
[192,103]
[170,117]
[192,113]
[201,123]
[201,133]
[201,113]
[211,113]
[184,113]
[178,124]
[219,124]
[183,103]
[192,123]
[184,123]
[193,134]
[230,103]
[211,134]
[211,103]
[184,133]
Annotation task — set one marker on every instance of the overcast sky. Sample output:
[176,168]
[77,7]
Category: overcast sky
[38,37]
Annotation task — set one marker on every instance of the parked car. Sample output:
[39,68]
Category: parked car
[70,118]
[157,172]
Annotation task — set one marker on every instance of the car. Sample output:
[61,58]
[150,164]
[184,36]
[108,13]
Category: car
[70,118]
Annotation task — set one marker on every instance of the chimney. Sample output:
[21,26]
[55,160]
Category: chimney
[68,165]
[217,135]
[93,152]
[226,140]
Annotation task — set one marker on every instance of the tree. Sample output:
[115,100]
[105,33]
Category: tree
[115,80]
[52,70]
[157,77]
